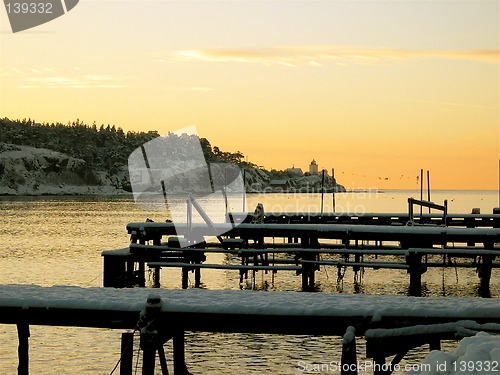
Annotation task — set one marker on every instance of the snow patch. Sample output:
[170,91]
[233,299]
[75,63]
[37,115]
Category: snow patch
[479,355]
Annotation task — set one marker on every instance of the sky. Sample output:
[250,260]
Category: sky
[375,89]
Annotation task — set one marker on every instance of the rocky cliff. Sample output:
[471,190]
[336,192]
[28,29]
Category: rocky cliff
[27,170]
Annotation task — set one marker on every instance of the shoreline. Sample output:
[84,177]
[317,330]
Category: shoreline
[110,191]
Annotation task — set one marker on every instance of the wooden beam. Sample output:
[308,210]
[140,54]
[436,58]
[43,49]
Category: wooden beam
[23,333]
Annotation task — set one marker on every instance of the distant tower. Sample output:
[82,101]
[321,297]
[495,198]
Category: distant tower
[313,167]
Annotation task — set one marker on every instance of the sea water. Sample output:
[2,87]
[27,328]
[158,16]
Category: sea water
[58,241]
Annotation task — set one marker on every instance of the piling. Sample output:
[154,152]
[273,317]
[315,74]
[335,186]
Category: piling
[421,190]
[334,187]
[148,360]
[156,277]
[322,189]
[429,188]
[114,271]
[150,337]
[180,367]
[197,277]
[127,353]
[415,269]
[349,359]
[23,333]
[484,272]
[185,279]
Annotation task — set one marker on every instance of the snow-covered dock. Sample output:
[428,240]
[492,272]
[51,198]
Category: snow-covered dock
[236,310]
[157,245]
[371,218]
[372,316]
[413,234]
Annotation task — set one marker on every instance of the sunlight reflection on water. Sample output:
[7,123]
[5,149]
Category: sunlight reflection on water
[59,240]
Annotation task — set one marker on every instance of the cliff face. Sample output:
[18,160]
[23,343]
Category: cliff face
[27,170]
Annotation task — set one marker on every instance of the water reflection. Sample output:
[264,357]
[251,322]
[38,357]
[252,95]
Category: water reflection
[58,241]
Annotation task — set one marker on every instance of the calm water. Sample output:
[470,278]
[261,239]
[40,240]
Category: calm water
[58,241]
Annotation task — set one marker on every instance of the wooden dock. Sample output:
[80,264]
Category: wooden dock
[452,220]
[156,245]
[170,313]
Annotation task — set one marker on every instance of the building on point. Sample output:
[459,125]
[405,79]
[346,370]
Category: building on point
[313,167]
[294,171]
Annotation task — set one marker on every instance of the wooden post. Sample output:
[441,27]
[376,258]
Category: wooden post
[129,274]
[308,269]
[485,274]
[23,333]
[421,191]
[197,277]
[149,339]
[148,361]
[334,187]
[180,367]
[305,277]
[127,353]
[429,188]
[163,360]
[322,189]
[185,272]
[312,274]
[141,275]
[114,271]
[414,261]
[349,359]
[244,188]
[156,277]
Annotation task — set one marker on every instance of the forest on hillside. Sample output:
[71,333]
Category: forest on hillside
[105,148]
[100,154]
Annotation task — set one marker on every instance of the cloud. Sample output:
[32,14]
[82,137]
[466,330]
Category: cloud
[201,89]
[321,54]
[84,81]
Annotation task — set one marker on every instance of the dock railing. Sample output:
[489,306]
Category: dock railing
[422,203]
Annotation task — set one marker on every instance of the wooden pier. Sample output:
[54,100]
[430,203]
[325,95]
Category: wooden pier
[157,246]
[391,325]
[452,220]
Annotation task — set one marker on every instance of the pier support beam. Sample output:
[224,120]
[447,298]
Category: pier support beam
[156,277]
[185,279]
[416,269]
[114,272]
[308,273]
[349,359]
[127,353]
[23,333]
[484,272]
[178,343]
[197,277]
[148,361]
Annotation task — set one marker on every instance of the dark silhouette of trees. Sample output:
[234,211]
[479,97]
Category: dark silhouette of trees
[103,147]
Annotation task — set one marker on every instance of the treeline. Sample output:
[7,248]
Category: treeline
[105,148]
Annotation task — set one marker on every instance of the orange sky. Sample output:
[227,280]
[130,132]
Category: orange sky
[376,90]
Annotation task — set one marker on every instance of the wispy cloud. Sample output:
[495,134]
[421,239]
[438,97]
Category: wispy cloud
[322,54]
[20,72]
[201,89]
[83,81]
